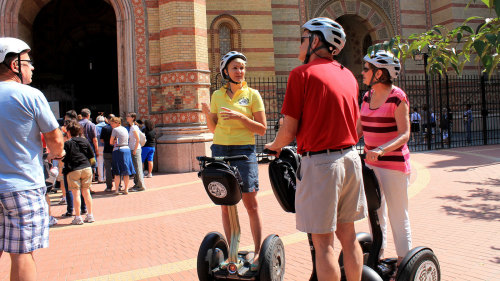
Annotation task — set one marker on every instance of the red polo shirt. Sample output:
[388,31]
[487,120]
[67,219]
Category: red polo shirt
[323,96]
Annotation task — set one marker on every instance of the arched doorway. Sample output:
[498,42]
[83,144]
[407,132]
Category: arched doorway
[358,41]
[75,54]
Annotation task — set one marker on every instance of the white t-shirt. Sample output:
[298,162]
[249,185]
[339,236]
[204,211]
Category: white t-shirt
[121,135]
[132,140]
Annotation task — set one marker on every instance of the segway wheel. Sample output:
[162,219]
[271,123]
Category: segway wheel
[422,265]
[213,251]
[365,241]
[272,259]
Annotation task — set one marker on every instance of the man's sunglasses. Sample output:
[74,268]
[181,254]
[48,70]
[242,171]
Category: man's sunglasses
[304,38]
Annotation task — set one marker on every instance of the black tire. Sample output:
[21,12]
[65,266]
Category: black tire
[213,250]
[365,241]
[272,259]
[369,274]
[421,265]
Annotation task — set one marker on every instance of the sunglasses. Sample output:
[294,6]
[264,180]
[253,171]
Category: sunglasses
[303,38]
[30,62]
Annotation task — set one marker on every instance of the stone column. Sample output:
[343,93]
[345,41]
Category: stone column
[184,85]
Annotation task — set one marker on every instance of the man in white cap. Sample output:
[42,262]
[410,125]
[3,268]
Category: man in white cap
[25,115]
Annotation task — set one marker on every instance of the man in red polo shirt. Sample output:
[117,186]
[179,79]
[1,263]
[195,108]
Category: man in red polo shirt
[321,110]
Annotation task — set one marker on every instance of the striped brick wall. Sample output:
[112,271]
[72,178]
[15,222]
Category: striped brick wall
[286,35]
[254,37]
[178,60]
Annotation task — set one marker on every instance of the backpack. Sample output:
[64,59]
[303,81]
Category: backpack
[283,176]
[142,138]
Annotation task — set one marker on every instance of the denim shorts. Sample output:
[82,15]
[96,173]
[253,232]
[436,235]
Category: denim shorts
[24,221]
[249,169]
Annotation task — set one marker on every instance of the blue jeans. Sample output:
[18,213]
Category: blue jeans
[69,199]
[249,169]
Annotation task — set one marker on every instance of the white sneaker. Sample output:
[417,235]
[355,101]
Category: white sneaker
[52,221]
[150,175]
[77,220]
[89,218]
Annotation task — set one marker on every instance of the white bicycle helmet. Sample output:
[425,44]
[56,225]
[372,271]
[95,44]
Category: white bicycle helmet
[11,45]
[384,59]
[226,58]
[332,31]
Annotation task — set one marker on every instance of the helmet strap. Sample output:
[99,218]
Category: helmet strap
[228,78]
[311,51]
[20,73]
[374,80]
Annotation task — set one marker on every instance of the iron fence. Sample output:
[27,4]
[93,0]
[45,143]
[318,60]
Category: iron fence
[439,94]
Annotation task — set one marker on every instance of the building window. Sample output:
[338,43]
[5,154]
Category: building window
[224,39]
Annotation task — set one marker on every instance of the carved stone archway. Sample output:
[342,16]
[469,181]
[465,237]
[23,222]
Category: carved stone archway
[364,21]
[17,17]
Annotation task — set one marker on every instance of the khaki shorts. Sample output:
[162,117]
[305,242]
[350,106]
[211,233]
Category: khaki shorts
[330,191]
[80,179]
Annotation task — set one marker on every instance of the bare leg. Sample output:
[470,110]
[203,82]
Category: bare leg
[327,266]
[88,199]
[23,267]
[117,184]
[252,206]
[150,167]
[125,183]
[76,201]
[353,255]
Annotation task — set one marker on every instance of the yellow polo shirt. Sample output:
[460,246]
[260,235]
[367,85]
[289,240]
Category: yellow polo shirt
[233,132]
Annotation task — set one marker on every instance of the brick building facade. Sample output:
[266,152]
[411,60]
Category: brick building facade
[159,57]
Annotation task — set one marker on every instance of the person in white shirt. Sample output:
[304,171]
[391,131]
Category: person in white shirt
[415,120]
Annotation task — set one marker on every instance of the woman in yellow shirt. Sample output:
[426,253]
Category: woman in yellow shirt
[236,113]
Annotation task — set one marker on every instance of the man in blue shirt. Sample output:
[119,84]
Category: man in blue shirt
[25,115]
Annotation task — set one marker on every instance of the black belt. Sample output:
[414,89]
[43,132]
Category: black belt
[309,153]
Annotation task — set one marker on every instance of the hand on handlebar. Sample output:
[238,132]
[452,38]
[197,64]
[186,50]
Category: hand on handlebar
[269,149]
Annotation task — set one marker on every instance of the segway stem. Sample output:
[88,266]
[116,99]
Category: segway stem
[234,223]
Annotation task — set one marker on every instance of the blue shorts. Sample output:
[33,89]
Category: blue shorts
[24,221]
[148,153]
[249,169]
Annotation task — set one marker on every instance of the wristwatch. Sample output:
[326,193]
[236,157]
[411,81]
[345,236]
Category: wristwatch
[381,149]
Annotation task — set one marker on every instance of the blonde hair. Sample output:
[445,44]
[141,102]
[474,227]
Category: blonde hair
[117,120]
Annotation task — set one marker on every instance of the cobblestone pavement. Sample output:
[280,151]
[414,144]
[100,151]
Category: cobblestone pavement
[155,235]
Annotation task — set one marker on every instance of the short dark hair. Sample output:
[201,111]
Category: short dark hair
[74,128]
[149,124]
[85,112]
[9,58]
[321,37]
[71,114]
[133,115]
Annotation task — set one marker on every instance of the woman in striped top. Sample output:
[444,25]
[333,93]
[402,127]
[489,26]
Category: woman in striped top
[385,125]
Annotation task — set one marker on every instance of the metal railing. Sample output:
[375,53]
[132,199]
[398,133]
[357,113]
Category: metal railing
[451,93]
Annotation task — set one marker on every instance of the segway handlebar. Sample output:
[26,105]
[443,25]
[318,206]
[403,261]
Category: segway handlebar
[222,158]
[270,152]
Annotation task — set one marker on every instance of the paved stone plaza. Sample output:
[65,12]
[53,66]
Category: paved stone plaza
[155,235]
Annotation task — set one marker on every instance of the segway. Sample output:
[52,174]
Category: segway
[223,185]
[419,264]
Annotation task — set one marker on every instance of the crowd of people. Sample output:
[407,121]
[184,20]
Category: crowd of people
[107,152]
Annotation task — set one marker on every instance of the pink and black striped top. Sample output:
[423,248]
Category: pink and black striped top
[379,127]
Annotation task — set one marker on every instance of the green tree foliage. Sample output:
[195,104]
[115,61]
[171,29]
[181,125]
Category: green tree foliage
[453,48]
